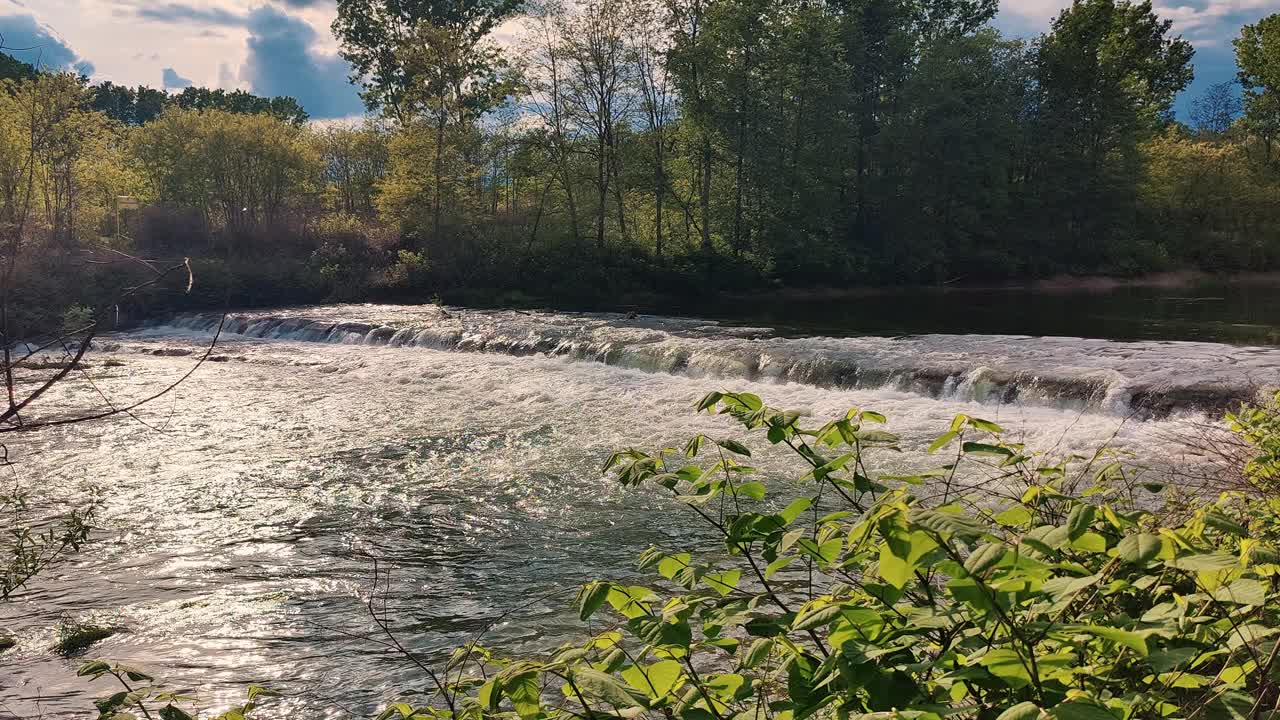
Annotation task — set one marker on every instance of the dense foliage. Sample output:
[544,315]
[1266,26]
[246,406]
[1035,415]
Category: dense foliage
[678,147]
[997,585]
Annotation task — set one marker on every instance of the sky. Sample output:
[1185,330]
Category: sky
[284,47]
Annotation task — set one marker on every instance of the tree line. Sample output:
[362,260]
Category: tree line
[677,146]
[847,141]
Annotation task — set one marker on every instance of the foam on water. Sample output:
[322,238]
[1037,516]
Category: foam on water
[1149,379]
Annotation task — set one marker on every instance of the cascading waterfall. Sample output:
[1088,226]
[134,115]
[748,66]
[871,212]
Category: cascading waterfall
[1145,379]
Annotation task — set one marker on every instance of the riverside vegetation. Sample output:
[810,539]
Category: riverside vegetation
[664,147]
[995,586]
[696,145]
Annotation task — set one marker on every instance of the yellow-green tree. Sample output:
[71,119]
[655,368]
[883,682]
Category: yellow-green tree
[241,171]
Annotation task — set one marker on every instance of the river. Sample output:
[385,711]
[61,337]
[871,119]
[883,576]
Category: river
[461,448]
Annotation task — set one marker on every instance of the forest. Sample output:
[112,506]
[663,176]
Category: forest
[663,147]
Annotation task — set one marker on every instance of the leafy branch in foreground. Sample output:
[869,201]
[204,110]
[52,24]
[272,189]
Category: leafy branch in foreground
[1259,427]
[139,690]
[915,596]
[27,548]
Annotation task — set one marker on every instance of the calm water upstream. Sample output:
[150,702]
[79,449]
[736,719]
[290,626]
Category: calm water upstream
[462,449]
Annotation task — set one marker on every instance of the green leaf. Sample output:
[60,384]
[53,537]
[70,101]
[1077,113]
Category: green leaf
[94,667]
[796,507]
[694,446]
[942,522]
[757,653]
[817,616]
[1090,542]
[487,696]
[753,490]
[1061,587]
[1139,549]
[877,436]
[1167,660]
[986,425]
[257,691]
[1245,591]
[1021,711]
[1233,705]
[173,712]
[725,582]
[596,684]
[1206,562]
[1128,638]
[657,680]
[943,440]
[899,557]
[734,446]
[1008,666]
[631,602]
[1080,519]
[976,448]
[825,554]
[1218,521]
[984,558]
[777,565]
[591,597]
[1080,710]
[525,694]
[672,564]
[1015,516]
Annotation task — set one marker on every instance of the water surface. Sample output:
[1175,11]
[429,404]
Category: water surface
[462,449]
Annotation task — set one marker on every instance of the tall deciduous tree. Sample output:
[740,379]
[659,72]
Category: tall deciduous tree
[1258,57]
[1108,72]
[599,96]
[373,33]
[451,81]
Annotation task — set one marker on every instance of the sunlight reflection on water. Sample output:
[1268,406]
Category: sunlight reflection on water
[235,544]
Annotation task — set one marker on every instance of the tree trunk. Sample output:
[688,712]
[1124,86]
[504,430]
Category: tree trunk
[659,182]
[439,180]
[602,178]
[704,192]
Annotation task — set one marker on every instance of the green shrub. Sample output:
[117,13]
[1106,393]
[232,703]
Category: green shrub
[408,271]
[1260,428]
[76,317]
[982,588]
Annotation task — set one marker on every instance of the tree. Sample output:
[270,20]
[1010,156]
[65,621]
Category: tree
[1107,74]
[690,62]
[117,102]
[148,104]
[648,44]
[1207,203]
[452,79]
[240,170]
[1216,109]
[545,72]
[952,156]
[12,68]
[598,96]
[355,161]
[239,101]
[1258,57]
[374,33]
